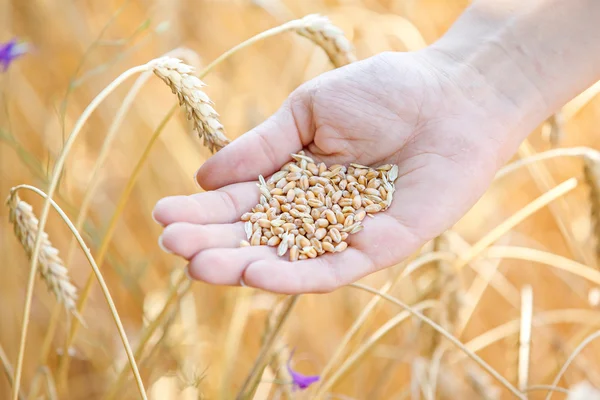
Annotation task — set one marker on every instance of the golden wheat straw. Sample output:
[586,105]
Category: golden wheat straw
[553,128]
[367,311]
[235,332]
[8,370]
[435,365]
[507,225]
[548,388]
[543,257]
[448,336]
[99,277]
[188,88]
[582,151]
[571,358]
[56,173]
[525,336]
[52,269]
[179,289]
[94,182]
[592,178]
[552,317]
[63,365]
[560,211]
[329,37]
[324,33]
[262,358]
[355,357]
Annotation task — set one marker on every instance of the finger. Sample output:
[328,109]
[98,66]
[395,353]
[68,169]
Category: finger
[263,150]
[222,206]
[186,240]
[319,275]
[226,266]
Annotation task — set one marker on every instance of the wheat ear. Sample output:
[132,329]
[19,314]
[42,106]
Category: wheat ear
[591,172]
[52,269]
[188,88]
[329,37]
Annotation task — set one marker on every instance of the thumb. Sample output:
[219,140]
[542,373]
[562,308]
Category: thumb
[264,149]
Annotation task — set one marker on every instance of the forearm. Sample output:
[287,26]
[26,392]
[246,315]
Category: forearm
[535,54]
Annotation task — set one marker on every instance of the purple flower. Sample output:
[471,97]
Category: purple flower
[301,381]
[11,50]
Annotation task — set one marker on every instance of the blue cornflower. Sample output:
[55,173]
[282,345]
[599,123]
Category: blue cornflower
[301,381]
[11,50]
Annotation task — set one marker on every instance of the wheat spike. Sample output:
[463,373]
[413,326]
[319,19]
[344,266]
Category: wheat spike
[179,76]
[51,267]
[591,173]
[329,37]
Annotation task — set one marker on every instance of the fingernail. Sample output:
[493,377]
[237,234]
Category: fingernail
[162,246]
[154,219]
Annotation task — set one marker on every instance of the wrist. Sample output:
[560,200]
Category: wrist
[522,60]
[477,57]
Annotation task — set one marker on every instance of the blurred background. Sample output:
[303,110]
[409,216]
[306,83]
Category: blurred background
[209,337]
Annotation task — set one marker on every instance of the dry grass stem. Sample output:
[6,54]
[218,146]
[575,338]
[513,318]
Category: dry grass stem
[512,221]
[553,129]
[329,37]
[584,152]
[368,344]
[102,283]
[52,269]
[368,310]
[525,336]
[263,357]
[106,240]
[571,358]
[56,173]
[448,336]
[8,370]
[592,178]
[188,88]
[542,257]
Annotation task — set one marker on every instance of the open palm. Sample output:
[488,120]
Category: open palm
[391,108]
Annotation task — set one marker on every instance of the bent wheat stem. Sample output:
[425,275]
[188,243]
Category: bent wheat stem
[100,278]
[103,249]
[572,356]
[314,27]
[178,290]
[369,343]
[262,357]
[56,173]
[8,370]
[585,152]
[94,182]
[420,261]
[447,335]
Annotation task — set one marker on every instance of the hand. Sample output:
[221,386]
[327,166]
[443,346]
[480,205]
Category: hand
[402,108]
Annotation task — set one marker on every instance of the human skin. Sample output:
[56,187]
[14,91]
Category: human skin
[449,116]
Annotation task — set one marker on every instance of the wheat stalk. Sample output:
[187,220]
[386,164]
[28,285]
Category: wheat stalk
[52,269]
[188,88]
[591,172]
[329,37]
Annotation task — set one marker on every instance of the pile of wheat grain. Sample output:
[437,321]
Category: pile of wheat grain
[310,209]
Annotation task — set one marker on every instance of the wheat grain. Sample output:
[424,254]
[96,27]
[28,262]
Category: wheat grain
[592,177]
[52,269]
[311,210]
[329,37]
[188,88]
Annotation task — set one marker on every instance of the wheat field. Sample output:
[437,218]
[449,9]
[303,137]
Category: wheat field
[514,286]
